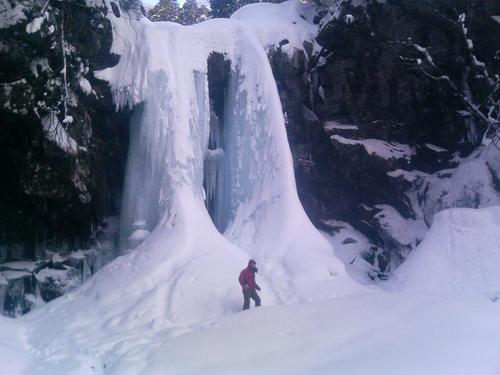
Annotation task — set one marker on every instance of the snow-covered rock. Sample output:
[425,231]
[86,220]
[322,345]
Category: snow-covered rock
[377,147]
[26,285]
[54,282]
[471,184]
[400,234]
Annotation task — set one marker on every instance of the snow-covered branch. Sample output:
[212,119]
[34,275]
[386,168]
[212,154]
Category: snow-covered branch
[64,73]
[476,87]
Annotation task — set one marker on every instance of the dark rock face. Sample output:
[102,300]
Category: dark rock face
[364,116]
[62,145]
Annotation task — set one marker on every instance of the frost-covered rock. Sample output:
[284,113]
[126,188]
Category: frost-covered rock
[19,292]
[400,235]
[26,284]
[55,281]
[473,183]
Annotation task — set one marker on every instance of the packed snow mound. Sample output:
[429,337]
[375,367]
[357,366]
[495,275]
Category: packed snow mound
[460,254]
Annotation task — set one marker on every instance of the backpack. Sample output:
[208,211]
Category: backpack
[240,278]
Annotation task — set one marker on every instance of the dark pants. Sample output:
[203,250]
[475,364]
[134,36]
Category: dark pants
[247,294]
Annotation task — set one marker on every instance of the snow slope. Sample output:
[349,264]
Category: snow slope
[377,334]
[459,255]
[15,357]
[370,333]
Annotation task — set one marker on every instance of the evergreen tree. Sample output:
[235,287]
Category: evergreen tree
[166,10]
[191,13]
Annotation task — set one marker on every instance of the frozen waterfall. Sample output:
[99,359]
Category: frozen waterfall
[232,154]
[208,132]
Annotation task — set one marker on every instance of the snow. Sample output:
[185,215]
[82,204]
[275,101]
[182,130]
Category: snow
[14,354]
[64,279]
[290,21]
[56,133]
[470,184]
[425,51]
[375,334]
[410,176]
[435,148]
[35,25]
[369,333]
[11,14]
[139,234]
[41,62]
[377,147]
[349,245]
[137,237]
[459,255]
[85,86]
[406,230]
[12,275]
[333,125]
[20,266]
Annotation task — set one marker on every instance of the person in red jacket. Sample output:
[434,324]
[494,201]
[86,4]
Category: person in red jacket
[250,287]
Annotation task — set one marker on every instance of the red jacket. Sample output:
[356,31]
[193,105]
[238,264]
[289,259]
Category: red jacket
[247,277]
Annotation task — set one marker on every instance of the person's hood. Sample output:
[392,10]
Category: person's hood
[251,264]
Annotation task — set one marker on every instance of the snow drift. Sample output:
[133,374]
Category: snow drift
[460,255]
[377,334]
